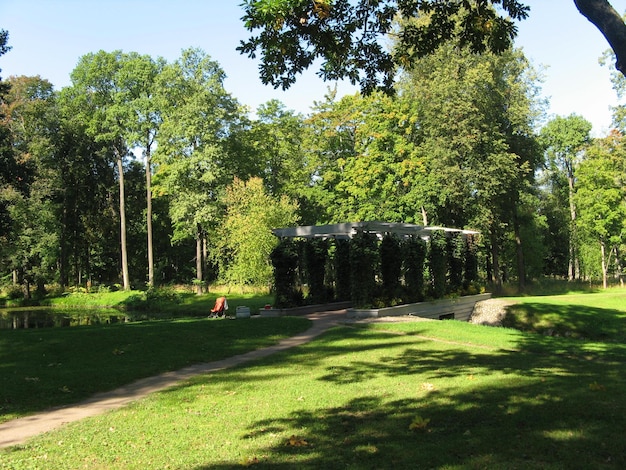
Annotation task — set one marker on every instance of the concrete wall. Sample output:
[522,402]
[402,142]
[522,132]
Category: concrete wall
[459,308]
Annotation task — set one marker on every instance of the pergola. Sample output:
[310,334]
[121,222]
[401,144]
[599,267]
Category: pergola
[347,230]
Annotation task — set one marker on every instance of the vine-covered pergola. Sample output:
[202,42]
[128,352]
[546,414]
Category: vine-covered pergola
[347,230]
[372,263]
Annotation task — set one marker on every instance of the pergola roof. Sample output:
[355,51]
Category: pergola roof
[348,229]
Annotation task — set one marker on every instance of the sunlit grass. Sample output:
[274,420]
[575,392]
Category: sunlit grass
[410,395]
[46,367]
[444,395]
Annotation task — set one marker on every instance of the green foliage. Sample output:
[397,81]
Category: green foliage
[414,251]
[244,239]
[285,262]
[291,34]
[438,264]
[364,260]
[601,198]
[390,266]
[456,259]
[315,257]
[343,287]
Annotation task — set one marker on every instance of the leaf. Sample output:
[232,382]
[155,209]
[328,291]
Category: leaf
[295,441]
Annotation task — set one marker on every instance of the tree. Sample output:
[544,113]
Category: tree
[601,198]
[276,140]
[473,119]
[139,77]
[245,239]
[30,109]
[100,89]
[347,35]
[611,25]
[7,160]
[193,163]
[565,139]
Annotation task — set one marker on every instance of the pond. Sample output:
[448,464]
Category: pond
[44,317]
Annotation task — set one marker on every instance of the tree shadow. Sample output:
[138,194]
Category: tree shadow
[550,403]
[576,321]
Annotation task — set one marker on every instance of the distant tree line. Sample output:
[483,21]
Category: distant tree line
[143,172]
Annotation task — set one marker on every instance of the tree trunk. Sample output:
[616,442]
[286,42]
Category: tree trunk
[149,216]
[610,24]
[519,249]
[495,261]
[120,168]
[573,269]
[199,261]
[604,265]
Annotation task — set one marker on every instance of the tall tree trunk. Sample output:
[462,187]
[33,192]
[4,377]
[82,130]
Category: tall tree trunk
[573,268]
[199,261]
[519,249]
[120,168]
[63,255]
[149,216]
[495,261]
[604,265]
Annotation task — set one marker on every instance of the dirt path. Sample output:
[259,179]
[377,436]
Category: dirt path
[20,430]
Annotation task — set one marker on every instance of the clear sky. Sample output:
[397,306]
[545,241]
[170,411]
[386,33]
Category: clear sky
[49,36]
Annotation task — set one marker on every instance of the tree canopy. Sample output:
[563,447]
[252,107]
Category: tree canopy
[348,37]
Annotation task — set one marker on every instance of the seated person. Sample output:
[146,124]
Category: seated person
[218,310]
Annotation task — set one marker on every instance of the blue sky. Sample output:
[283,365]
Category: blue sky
[49,36]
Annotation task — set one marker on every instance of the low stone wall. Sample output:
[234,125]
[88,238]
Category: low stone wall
[459,308]
[304,310]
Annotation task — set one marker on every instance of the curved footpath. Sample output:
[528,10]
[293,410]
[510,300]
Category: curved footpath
[19,430]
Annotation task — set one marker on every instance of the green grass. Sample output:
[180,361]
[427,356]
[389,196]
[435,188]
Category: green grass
[600,316]
[45,367]
[160,302]
[444,395]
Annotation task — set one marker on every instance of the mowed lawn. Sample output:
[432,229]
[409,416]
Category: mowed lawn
[433,394]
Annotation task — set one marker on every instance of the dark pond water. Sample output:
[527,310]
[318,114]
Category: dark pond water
[45,317]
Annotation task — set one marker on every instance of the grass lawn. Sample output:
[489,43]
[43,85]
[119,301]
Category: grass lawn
[445,395]
[45,367]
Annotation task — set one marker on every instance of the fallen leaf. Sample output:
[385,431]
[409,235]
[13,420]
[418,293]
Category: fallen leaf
[294,441]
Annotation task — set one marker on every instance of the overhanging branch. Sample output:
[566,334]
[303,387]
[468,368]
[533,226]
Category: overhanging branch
[610,24]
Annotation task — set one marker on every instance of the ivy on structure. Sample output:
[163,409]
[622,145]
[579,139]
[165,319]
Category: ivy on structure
[315,256]
[438,264]
[391,266]
[285,261]
[456,249]
[471,262]
[342,270]
[363,263]
[414,254]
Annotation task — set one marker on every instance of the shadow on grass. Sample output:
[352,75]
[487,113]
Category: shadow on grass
[550,403]
[42,368]
[577,321]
